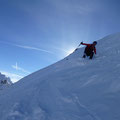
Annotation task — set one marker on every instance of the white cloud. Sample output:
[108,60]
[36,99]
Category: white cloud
[28,47]
[20,69]
[34,48]
[14,77]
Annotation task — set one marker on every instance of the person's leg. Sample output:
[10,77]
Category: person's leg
[84,56]
[86,53]
[91,55]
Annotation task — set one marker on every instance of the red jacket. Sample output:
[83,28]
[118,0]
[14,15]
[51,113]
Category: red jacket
[88,45]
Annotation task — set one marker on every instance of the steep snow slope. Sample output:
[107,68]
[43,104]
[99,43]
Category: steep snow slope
[71,89]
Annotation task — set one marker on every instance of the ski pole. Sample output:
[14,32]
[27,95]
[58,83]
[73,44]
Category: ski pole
[80,44]
[78,47]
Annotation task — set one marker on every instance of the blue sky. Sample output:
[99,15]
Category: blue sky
[37,33]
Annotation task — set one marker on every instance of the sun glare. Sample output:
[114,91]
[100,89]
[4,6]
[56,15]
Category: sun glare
[70,51]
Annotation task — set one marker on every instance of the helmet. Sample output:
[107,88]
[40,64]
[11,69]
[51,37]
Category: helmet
[95,42]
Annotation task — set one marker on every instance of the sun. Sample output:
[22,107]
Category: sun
[70,51]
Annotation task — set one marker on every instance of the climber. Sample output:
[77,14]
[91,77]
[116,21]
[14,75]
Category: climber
[90,49]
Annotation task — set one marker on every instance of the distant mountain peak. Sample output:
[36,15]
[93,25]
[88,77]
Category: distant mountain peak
[5,80]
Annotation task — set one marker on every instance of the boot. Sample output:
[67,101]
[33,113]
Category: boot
[84,56]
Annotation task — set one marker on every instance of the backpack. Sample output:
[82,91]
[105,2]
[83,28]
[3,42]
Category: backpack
[89,49]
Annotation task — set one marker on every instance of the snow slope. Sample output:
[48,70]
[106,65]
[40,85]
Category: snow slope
[71,89]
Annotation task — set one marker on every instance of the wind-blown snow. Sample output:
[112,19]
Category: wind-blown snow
[71,89]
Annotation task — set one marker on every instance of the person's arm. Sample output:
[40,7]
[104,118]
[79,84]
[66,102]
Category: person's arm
[85,44]
[95,50]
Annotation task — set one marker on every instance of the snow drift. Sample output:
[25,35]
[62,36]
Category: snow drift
[71,89]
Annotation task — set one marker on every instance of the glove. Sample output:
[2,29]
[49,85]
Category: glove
[81,43]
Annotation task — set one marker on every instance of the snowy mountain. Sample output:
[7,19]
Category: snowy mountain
[4,81]
[71,89]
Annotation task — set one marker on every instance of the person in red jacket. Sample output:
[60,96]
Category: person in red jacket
[90,49]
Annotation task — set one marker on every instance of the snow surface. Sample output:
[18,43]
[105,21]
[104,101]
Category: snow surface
[71,89]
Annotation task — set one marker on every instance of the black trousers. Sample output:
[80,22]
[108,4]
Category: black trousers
[88,53]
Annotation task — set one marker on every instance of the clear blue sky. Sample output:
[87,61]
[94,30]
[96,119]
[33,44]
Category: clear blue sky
[37,33]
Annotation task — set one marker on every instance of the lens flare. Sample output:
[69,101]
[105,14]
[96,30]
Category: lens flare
[70,51]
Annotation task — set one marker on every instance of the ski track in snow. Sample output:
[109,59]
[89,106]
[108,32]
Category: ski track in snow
[79,105]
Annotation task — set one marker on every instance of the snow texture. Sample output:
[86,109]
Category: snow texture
[71,89]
